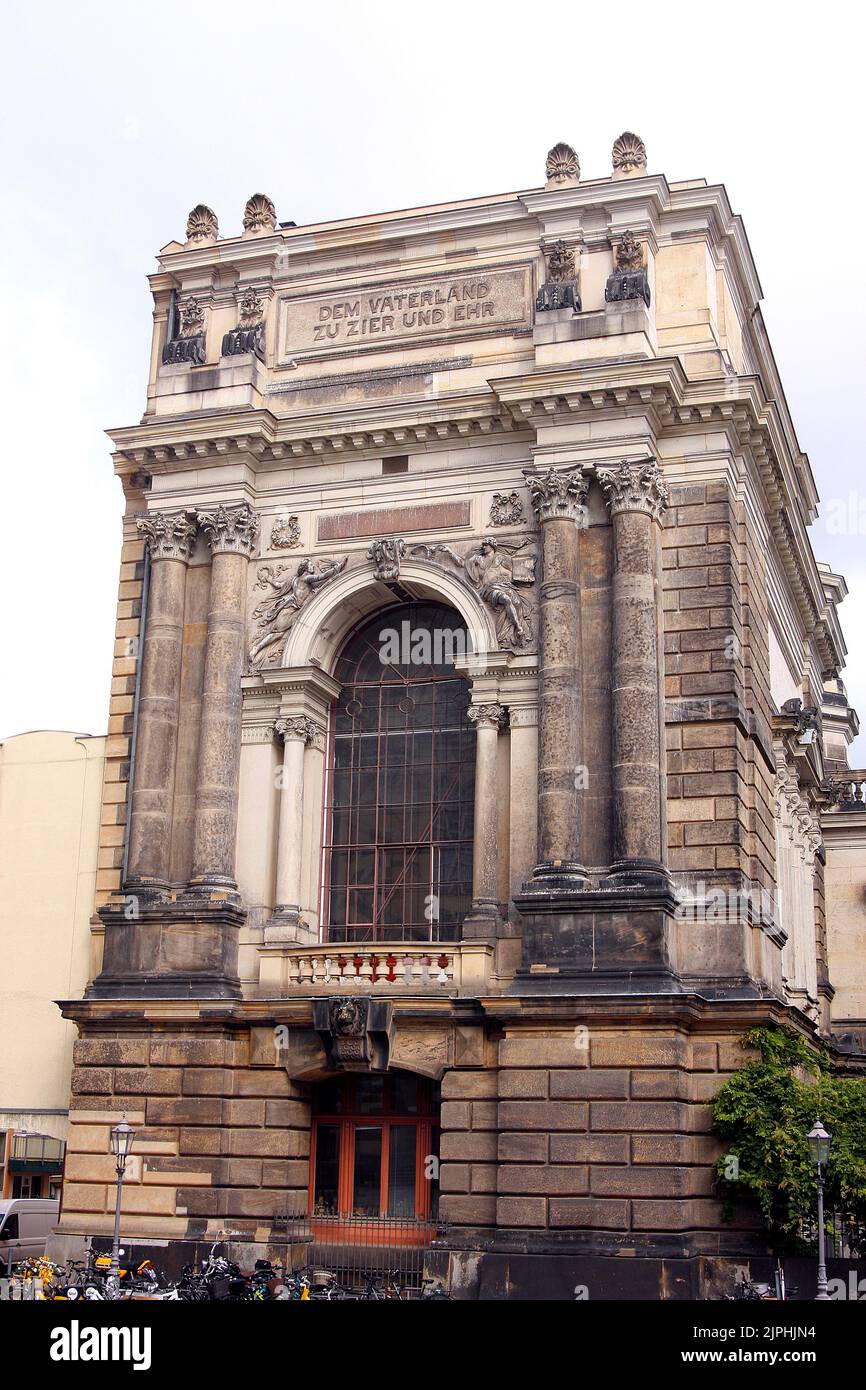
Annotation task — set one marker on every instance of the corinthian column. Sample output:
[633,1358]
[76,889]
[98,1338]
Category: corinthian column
[169,538]
[636,497]
[296,732]
[483,918]
[559,501]
[231,533]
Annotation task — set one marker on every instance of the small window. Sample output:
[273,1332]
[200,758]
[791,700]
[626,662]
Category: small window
[397,463]
[375,1147]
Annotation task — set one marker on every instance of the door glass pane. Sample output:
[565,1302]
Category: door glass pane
[327,1169]
[368,1171]
[401,1171]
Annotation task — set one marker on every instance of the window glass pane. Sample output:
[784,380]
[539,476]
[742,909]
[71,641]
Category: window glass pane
[402,775]
[368,1171]
[326,1188]
[329,1097]
[401,1171]
[404,1093]
[369,1094]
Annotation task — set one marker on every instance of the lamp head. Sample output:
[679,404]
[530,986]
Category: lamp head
[819,1142]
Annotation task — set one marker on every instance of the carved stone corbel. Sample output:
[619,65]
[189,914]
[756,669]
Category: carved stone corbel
[355,1032]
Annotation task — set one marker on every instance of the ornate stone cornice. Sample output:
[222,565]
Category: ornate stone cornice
[634,486]
[231,528]
[488,716]
[560,492]
[168,535]
[298,726]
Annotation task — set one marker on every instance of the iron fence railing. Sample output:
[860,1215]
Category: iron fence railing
[845,1236]
[358,1249]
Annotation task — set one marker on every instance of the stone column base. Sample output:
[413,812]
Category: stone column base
[286,926]
[611,937]
[638,873]
[169,949]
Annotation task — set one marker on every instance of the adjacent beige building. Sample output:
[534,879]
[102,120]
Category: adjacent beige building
[51,786]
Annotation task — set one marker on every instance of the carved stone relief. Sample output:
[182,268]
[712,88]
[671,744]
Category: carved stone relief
[202,225]
[249,336]
[288,592]
[285,533]
[497,571]
[562,166]
[506,509]
[386,556]
[629,154]
[260,215]
[560,288]
[355,1032]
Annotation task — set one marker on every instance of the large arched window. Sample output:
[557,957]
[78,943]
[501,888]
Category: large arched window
[401,781]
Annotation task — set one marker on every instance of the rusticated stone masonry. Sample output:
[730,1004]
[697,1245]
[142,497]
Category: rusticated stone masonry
[720,772]
[614,1136]
[121,710]
[218,1139]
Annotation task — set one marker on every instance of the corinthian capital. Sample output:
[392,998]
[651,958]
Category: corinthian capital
[168,535]
[231,528]
[487,716]
[634,486]
[558,492]
[297,726]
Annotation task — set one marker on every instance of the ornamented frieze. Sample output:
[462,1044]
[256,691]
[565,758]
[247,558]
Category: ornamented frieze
[287,595]
[559,492]
[168,535]
[634,487]
[231,529]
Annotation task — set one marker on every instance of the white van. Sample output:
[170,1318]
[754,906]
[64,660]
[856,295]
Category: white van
[25,1225]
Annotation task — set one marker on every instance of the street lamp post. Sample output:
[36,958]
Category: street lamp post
[122,1138]
[819,1147]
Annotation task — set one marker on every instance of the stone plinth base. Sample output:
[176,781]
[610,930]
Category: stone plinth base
[614,936]
[176,949]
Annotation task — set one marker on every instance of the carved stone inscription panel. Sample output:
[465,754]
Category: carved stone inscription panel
[392,312]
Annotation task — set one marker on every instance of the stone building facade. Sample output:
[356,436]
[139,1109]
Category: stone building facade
[465,762]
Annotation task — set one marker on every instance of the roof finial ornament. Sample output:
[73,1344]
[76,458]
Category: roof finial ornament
[629,156]
[563,167]
[201,225]
[260,215]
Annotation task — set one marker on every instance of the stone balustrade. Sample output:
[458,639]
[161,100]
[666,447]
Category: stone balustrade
[383,968]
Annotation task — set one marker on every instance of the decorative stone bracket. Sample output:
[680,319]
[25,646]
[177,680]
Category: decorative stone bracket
[355,1033]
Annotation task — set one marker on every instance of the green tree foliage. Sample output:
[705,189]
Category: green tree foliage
[764,1112]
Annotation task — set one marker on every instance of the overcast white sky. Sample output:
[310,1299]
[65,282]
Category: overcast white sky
[118,118]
